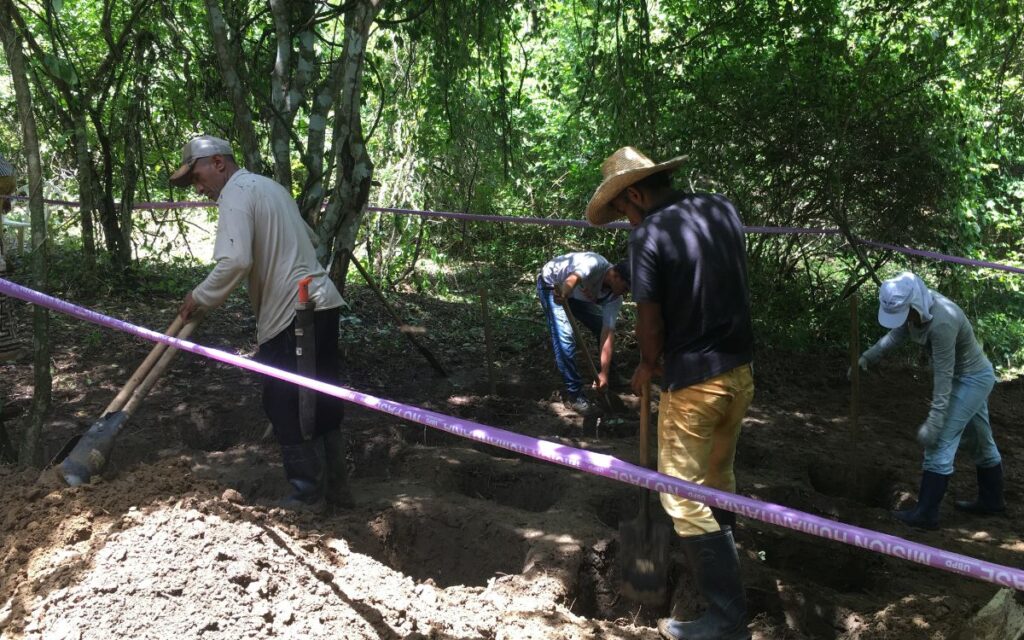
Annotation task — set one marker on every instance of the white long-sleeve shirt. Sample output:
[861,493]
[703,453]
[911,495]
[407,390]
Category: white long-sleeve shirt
[260,234]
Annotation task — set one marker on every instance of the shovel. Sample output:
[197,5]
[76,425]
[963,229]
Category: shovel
[89,455]
[643,544]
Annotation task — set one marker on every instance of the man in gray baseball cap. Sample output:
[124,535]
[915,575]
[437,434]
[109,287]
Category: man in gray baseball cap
[262,239]
[194,149]
[11,348]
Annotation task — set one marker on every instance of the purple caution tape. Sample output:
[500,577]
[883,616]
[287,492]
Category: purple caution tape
[807,231]
[595,463]
[556,222]
[66,203]
[932,255]
[186,204]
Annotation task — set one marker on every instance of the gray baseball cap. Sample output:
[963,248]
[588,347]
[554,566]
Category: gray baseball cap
[194,149]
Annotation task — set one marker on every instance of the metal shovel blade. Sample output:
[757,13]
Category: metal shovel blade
[90,454]
[643,557]
[643,543]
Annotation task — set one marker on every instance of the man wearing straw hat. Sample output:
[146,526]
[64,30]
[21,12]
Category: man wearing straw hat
[689,281]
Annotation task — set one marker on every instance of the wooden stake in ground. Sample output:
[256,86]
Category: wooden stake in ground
[492,383]
[402,327]
[854,361]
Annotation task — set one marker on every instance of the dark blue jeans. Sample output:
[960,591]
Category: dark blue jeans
[562,340]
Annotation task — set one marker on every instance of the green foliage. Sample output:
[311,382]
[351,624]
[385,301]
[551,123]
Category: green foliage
[73,277]
[896,122]
[992,301]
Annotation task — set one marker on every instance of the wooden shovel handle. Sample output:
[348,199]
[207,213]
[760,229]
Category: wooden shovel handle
[579,338]
[645,424]
[140,373]
[161,365]
[578,335]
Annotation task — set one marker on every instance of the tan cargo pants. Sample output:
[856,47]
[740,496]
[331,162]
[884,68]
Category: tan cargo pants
[698,427]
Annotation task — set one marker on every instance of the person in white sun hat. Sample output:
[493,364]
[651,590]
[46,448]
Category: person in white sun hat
[962,379]
[689,280]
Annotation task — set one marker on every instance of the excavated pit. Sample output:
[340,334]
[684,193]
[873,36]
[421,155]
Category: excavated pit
[621,503]
[207,440]
[831,564]
[867,485]
[533,490]
[597,594]
[447,544]
[615,506]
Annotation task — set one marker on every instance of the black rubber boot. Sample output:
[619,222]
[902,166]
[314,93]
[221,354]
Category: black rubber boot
[990,493]
[926,514]
[715,565]
[336,488]
[303,466]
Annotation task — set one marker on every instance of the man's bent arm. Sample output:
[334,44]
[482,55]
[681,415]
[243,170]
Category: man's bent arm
[607,346]
[564,290]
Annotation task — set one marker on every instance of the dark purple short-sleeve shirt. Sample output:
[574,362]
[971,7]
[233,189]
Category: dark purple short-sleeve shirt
[690,257]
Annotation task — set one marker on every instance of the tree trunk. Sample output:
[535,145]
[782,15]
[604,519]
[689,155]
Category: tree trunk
[227,63]
[118,240]
[340,223]
[280,77]
[85,205]
[295,68]
[31,451]
[313,192]
[133,146]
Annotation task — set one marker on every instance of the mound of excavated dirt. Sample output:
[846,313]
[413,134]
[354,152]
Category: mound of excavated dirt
[457,540]
[161,552]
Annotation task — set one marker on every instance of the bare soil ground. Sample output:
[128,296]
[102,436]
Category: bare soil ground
[452,539]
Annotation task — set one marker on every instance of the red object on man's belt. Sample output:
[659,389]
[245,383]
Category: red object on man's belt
[304,289]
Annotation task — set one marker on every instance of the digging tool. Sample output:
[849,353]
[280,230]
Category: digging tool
[305,357]
[583,347]
[643,544]
[90,454]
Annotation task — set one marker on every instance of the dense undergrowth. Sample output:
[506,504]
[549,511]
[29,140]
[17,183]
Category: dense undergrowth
[801,312]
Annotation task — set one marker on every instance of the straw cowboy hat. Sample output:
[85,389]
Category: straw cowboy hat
[625,167]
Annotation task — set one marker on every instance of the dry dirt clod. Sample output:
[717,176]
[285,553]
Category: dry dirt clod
[324,575]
